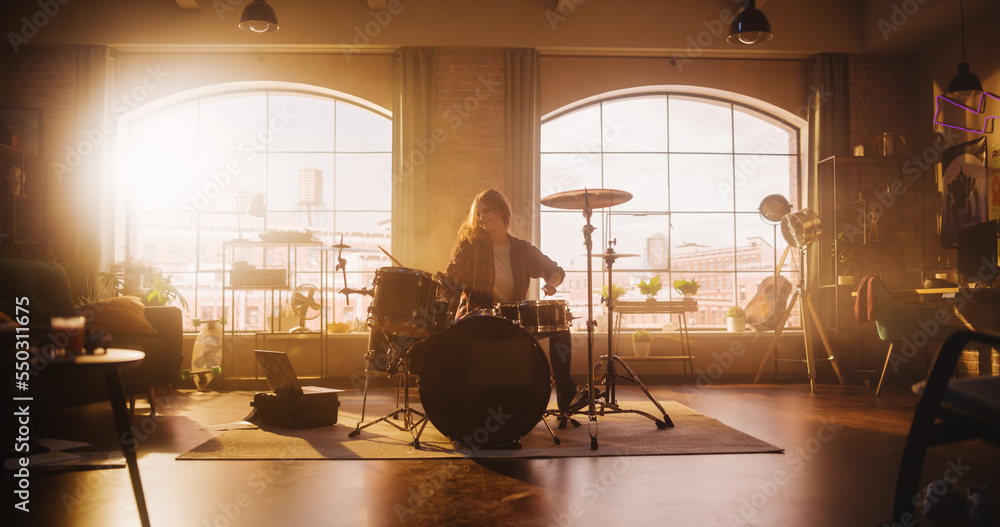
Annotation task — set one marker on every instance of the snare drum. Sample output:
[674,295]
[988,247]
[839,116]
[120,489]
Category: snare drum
[484,382]
[405,303]
[540,317]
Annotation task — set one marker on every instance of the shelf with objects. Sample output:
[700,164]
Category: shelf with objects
[873,214]
[281,282]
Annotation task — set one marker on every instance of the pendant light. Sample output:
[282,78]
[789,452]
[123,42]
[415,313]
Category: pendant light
[965,84]
[750,26]
[259,17]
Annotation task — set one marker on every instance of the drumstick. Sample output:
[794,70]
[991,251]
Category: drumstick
[395,261]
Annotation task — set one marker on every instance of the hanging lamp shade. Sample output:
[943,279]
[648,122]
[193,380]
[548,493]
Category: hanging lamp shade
[750,26]
[965,83]
[259,17]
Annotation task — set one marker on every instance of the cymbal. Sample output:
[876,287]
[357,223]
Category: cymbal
[348,248]
[596,198]
[614,255]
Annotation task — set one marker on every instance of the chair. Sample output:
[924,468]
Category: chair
[949,410]
[904,323]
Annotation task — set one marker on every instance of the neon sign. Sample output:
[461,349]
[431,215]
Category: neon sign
[953,114]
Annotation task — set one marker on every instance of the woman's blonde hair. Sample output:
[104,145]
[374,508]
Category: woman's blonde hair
[470,228]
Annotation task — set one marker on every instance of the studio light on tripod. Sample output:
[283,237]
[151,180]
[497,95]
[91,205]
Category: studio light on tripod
[802,228]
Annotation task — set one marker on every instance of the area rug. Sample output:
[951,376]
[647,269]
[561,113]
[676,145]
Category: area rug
[619,434]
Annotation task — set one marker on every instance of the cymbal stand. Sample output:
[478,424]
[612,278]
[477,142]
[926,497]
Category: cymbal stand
[613,361]
[588,231]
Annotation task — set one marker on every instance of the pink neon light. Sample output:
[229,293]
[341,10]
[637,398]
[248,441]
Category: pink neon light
[943,104]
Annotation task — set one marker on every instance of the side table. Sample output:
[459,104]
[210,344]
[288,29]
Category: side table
[110,363]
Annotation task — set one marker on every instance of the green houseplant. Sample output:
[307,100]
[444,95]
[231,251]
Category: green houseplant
[641,342]
[651,288]
[145,280]
[736,319]
[687,287]
[844,253]
[616,290]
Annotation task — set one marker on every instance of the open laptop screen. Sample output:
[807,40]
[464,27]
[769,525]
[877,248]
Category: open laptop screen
[278,370]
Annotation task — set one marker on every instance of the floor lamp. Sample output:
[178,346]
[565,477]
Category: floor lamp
[800,229]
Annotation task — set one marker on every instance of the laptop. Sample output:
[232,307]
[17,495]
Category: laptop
[281,377]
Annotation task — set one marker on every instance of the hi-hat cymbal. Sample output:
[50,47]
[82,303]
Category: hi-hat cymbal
[614,255]
[348,248]
[593,198]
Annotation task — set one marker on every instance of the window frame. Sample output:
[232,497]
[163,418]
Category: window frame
[798,188]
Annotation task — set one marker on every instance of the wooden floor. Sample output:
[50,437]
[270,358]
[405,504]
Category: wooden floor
[842,448]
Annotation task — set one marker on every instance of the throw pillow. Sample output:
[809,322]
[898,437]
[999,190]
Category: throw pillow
[123,315]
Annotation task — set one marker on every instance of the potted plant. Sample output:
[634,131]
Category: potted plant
[736,319]
[144,280]
[616,291]
[844,252]
[651,288]
[641,341]
[688,288]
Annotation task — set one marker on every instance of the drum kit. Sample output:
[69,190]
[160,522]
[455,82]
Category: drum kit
[484,381]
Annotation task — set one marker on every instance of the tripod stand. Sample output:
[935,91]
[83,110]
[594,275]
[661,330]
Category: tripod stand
[412,419]
[806,311]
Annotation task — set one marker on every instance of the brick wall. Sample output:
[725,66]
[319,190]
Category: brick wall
[880,100]
[46,78]
[470,112]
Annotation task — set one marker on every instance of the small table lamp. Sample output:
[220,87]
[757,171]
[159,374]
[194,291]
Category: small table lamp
[256,208]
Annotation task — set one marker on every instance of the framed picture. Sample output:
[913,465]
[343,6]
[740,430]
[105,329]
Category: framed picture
[20,128]
[964,189]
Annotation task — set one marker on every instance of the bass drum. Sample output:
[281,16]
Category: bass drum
[484,382]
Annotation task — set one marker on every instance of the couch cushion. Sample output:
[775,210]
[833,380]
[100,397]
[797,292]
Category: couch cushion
[123,315]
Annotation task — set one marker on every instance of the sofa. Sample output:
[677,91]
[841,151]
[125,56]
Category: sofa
[121,322]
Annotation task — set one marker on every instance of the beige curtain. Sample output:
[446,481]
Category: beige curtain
[523,141]
[91,183]
[413,117]
[828,101]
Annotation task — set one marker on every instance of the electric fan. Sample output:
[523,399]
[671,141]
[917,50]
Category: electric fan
[305,305]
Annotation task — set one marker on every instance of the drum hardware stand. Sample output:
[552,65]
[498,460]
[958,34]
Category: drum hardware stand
[613,360]
[588,240]
[402,359]
[410,423]
[589,199]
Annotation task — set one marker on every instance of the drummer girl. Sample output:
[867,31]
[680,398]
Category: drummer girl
[492,266]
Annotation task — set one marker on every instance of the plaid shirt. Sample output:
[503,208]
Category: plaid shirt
[472,268]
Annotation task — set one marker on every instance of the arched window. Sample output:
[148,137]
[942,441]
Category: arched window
[190,166]
[697,166]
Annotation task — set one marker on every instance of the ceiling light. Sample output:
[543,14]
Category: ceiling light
[965,83]
[259,17]
[750,26]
